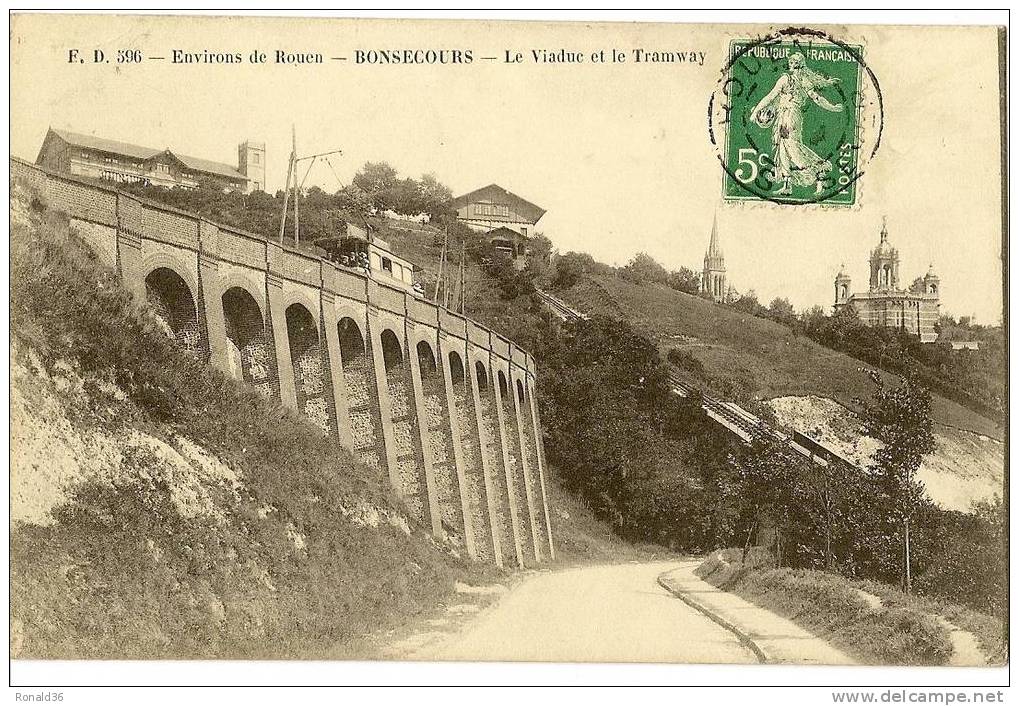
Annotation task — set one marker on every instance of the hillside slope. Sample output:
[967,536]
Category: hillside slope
[774,359]
[807,387]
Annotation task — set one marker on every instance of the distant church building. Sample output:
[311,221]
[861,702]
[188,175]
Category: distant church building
[914,310]
[713,275]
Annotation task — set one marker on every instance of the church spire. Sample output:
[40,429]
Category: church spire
[714,249]
[884,229]
[713,276]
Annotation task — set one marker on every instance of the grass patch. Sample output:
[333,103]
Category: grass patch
[899,632]
[991,632]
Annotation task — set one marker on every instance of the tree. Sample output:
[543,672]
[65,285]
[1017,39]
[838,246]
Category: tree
[748,303]
[539,257]
[767,481]
[570,268]
[901,419]
[685,280]
[356,200]
[781,310]
[813,320]
[435,197]
[404,197]
[644,268]
[377,180]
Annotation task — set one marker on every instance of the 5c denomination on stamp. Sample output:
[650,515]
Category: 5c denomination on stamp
[795,118]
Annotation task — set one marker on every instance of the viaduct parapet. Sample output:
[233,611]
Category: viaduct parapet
[442,404]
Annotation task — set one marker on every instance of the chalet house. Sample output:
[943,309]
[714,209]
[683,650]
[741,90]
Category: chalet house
[506,219]
[125,163]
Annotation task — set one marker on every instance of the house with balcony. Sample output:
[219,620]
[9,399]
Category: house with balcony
[507,220]
[125,163]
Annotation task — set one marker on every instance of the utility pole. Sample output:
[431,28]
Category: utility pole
[297,187]
[297,206]
[290,171]
[457,288]
[442,262]
[463,277]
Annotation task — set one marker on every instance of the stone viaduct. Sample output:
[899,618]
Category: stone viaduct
[445,406]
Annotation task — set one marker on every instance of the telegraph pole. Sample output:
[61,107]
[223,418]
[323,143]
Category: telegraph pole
[442,262]
[286,190]
[463,277]
[297,187]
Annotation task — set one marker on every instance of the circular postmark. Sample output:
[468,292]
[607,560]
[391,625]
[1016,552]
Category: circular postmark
[795,118]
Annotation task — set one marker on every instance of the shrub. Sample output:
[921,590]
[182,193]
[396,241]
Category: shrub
[685,360]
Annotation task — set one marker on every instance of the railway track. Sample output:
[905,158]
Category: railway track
[734,418]
[559,308]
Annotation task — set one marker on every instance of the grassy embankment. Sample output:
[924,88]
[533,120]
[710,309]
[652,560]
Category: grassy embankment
[767,357]
[161,510]
[901,630]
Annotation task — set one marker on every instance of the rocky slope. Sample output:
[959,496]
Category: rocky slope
[964,469]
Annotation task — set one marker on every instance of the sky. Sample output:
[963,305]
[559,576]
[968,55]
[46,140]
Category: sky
[618,154]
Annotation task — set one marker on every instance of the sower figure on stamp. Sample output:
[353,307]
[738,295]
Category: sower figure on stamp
[782,110]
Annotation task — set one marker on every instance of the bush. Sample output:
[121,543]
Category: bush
[685,360]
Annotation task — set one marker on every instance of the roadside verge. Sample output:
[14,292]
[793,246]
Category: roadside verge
[775,640]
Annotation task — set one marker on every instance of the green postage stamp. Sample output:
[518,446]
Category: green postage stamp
[787,119]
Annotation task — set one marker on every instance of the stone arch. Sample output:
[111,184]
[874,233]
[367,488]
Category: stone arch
[235,276]
[297,295]
[408,453]
[456,368]
[492,434]
[306,358]
[470,445]
[174,303]
[438,436]
[351,340]
[516,476]
[392,350]
[362,399]
[481,374]
[426,360]
[530,451]
[171,260]
[249,350]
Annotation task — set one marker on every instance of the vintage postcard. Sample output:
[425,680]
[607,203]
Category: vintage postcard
[514,341]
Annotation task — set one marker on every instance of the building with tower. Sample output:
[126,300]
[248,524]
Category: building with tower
[713,279]
[126,163]
[886,303]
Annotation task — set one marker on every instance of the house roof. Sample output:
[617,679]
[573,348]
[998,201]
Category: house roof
[145,153]
[494,192]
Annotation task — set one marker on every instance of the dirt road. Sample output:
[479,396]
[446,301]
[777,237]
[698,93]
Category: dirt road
[613,613]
